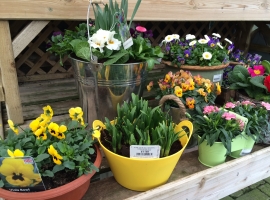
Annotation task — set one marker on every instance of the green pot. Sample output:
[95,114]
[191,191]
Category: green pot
[211,156]
[247,144]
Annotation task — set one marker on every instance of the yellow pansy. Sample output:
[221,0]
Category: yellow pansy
[167,78]
[18,173]
[75,113]
[190,102]
[56,157]
[48,111]
[62,129]
[202,92]
[184,86]
[16,153]
[178,91]
[40,133]
[34,125]
[150,85]
[53,129]
[13,127]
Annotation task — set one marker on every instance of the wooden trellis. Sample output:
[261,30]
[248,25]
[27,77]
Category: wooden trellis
[35,63]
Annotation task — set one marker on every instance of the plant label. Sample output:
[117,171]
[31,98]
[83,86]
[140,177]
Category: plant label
[20,174]
[128,43]
[217,78]
[144,151]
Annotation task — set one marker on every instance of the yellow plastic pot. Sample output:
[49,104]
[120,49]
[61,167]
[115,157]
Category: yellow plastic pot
[144,174]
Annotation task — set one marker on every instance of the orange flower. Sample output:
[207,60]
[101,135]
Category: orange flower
[178,91]
[162,86]
[190,102]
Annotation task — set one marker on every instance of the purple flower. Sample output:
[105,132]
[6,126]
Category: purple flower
[148,34]
[230,48]
[58,33]
[168,48]
[187,53]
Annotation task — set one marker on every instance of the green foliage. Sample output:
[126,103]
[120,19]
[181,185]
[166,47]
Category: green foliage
[138,124]
[240,79]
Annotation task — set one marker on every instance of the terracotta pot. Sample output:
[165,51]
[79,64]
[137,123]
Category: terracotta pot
[71,191]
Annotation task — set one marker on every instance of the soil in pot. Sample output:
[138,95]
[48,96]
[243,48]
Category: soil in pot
[125,150]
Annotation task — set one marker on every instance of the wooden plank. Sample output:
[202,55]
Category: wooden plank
[9,75]
[151,10]
[45,77]
[194,181]
[1,125]
[259,48]
[27,35]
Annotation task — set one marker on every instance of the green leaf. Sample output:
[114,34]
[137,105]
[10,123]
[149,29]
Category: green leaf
[48,173]
[58,168]
[91,151]
[84,146]
[266,65]
[115,58]
[41,157]
[41,149]
[1,183]
[258,81]
[79,158]
[61,147]
[69,164]
[134,12]
[25,140]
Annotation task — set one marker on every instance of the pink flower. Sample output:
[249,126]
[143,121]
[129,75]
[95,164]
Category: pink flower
[257,70]
[210,109]
[247,103]
[229,105]
[228,116]
[266,105]
[141,29]
[241,124]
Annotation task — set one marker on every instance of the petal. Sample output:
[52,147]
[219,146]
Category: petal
[18,153]
[10,153]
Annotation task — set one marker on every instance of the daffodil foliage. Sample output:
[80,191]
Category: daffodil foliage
[54,146]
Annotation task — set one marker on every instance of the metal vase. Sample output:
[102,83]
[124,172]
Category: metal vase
[101,88]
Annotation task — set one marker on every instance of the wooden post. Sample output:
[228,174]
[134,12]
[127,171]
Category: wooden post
[9,75]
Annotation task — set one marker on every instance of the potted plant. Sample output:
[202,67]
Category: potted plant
[62,158]
[142,144]
[257,128]
[252,83]
[219,133]
[110,62]
[237,57]
[206,56]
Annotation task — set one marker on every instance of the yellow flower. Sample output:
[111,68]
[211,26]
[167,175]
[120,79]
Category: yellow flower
[208,87]
[178,91]
[218,92]
[167,78]
[56,157]
[53,129]
[184,87]
[18,173]
[201,92]
[190,102]
[61,131]
[75,113]
[34,125]
[13,127]
[16,153]
[150,85]
[48,111]
[40,133]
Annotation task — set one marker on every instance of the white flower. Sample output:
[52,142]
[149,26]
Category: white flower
[97,42]
[202,41]
[206,37]
[190,37]
[175,36]
[105,35]
[216,35]
[192,43]
[228,40]
[168,38]
[113,44]
[220,45]
[207,55]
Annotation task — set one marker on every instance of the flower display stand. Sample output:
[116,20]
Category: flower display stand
[192,180]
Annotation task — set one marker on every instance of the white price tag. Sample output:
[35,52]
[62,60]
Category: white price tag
[245,152]
[144,151]
[217,78]
[128,43]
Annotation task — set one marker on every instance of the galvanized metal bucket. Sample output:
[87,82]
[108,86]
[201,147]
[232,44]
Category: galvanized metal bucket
[101,87]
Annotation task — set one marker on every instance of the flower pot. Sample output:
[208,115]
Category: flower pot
[226,96]
[144,174]
[101,87]
[247,144]
[74,190]
[211,156]
[213,73]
